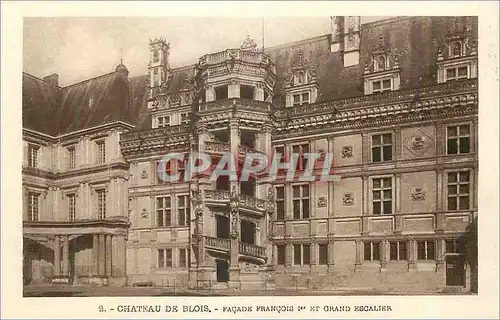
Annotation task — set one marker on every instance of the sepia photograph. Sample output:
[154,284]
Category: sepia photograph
[250,156]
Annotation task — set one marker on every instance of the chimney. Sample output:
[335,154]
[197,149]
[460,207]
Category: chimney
[53,79]
[346,38]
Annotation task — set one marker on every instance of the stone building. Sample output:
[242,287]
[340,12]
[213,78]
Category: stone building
[395,101]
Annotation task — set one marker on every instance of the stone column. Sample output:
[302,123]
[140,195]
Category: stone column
[57,256]
[440,201]
[109,255]
[440,250]
[359,254]
[119,253]
[383,255]
[102,254]
[95,255]
[398,219]
[331,252]
[65,256]
[365,229]
[412,251]
[233,90]
[288,254]
[259,92]
[314,255]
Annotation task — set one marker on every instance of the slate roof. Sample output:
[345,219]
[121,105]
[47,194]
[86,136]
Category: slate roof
[54,110]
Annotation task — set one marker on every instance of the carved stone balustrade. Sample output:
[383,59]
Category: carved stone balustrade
[252,250]
[219,244]
[215,146]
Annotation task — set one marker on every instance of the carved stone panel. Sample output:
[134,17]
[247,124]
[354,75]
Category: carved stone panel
[348,199]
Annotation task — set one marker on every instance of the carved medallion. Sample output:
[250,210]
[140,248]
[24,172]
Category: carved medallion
[418,142]
[322,202]
[144,174]
[348,199]
[418,194]
[144,214]
[347,152]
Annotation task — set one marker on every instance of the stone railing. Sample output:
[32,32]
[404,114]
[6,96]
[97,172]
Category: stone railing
[217,195]
[242,150]
[374,99]
[252,250]
[216,146]
[255,57]
[154,139]
[252,202]
[238,103]
[154,133]
[218,243]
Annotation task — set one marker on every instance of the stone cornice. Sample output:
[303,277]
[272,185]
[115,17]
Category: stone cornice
[73,173]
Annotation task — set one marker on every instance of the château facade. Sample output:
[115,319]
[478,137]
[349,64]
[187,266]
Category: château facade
[395,101]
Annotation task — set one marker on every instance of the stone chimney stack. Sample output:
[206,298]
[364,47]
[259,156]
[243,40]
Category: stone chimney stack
[346,38]
[53,79]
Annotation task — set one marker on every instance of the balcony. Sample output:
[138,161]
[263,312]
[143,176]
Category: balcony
[154,140]
[217,196]
[255,205]
[235,103]
[252,250]
[253,57]
[218,244]
[247,204]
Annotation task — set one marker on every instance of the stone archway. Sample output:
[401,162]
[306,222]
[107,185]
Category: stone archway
[38,261]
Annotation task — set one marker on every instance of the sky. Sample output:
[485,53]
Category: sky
[82,48]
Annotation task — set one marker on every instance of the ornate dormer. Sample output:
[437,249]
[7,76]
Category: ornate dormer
[158,72]
[301,86]
[249,44]
[457,56]
[382,71]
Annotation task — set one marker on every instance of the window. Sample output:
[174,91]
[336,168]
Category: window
[300,99]
[156,56]
[458,190]
[33,206]
[382,147]
[101,151]
[164,211]
[155,71]
[455,49]
[301,254]
[371,251]
[380,63]
[280,203]
[163,122]
[183,258]
[458,139]
[33,156]
[164,258]
[71,157]
[379,86]
[101,204]
[185,118]
[300,151]
[221,93]
[164,170]
[382,196]
[71,207]
[281,254]
[156,83]
[323,253]
[281,152]
[426,250]
[457,73]
[397,250]
[246,92]
[183,209]
[454,246]
[301,202]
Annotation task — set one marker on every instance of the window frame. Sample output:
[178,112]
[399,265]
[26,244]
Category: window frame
[280,216]
[166,258]
[71,157]
[33,155]
[398,250]
[71,197]
[426,250]
[374,248]
[186,210]
[101,203]
[182,252]
[164,210]
[302,261]
[382,199]
[186,120]
[381,146]
[456,68]
[458,193]
[33,206]
[323,260]
[301,101]
[301,200]
[458,138]
[101,151]
[280,254]
[301,159]
[164,123]
[382,88]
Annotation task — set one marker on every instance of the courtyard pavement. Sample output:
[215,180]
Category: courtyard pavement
[90,291]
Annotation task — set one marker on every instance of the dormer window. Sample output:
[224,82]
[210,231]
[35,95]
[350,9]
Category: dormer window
[380,63]
[457,73]
[156,56]
[300,78]
[379,86]
[163,122]
[455,49]
[300,99]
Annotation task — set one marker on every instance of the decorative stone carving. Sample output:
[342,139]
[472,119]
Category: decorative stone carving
[348,199]
[144,214]
[347,152]
[418,142]
[418,194]
[322,202]
[144,174]
[249,44]
[234,213]
[300,73]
